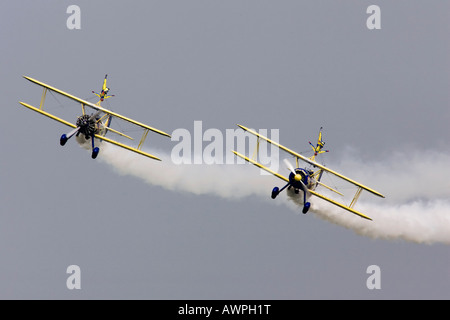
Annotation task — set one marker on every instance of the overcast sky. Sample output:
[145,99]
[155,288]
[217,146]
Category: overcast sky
[294,66]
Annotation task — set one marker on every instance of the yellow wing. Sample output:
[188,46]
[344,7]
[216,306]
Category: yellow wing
[313,163]
[259,165]
[97,107]
[339,204]
[127,147]
[67,123]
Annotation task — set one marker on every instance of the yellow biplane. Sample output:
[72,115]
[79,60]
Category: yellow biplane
[89,127]
[306,179]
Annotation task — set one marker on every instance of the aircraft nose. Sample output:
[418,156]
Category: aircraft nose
[298,177]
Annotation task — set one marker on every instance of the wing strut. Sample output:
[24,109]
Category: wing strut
[256,151]
[355,198]
[144,136]
[44,93]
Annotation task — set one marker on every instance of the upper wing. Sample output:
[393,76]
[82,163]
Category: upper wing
[96,107]
[318,165]
[67,123]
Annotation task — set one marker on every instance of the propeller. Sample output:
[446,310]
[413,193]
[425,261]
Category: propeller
[94,116]
[71,133]
[297,176]
[289,166]
[65,137]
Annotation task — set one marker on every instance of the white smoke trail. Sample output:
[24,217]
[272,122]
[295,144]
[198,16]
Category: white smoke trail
[417,204]
[404,176]
[416,207]
[227,181]
[419,221]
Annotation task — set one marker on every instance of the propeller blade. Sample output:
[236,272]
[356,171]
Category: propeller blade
[65,137]
[305,189]
[289,166]
[94,115]
[71,133]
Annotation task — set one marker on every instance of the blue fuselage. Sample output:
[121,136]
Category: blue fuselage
[304,178]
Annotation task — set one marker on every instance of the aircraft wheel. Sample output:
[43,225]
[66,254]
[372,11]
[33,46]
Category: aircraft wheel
[95,152]
[275,192]
[63,140]
[306,207]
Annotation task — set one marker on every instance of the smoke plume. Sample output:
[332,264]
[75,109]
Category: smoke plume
[416,207]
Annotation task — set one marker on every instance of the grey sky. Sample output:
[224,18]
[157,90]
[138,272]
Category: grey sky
[289,65]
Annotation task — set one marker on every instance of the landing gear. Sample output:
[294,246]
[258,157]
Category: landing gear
[95,152]
[306,204]
[306,207]
[86,126]
[275,192]
[63,139]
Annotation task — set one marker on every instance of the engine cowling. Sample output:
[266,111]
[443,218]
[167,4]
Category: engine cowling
[87,126]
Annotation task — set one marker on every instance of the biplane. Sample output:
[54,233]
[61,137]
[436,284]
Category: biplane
[92,127]
[308,179]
